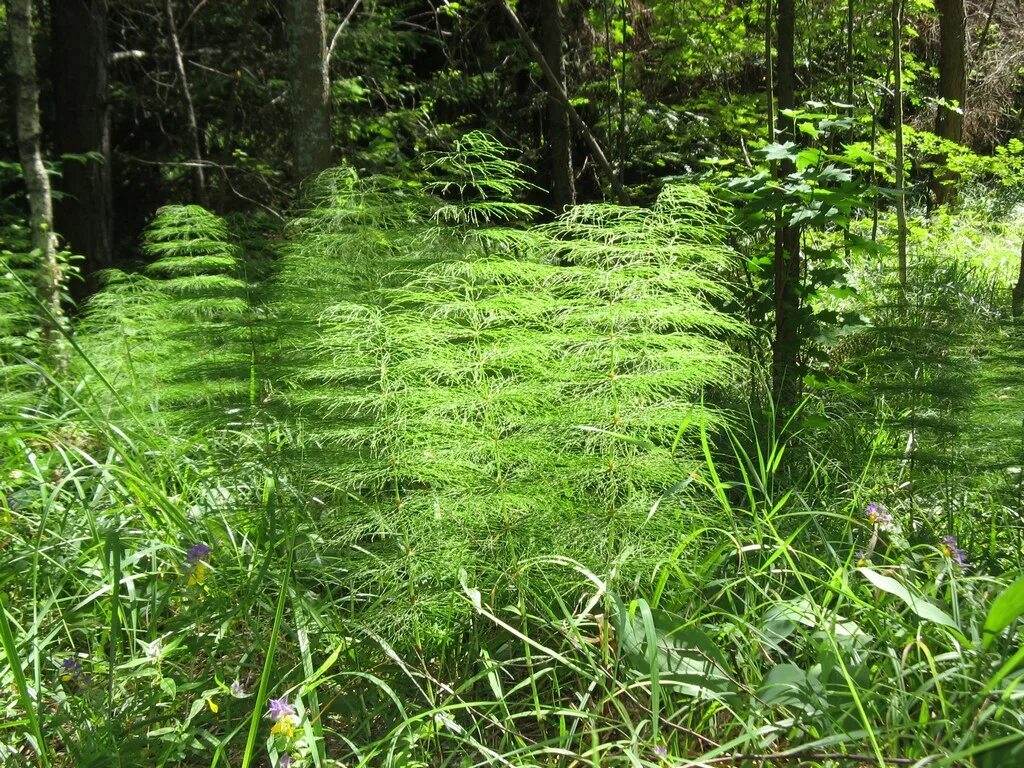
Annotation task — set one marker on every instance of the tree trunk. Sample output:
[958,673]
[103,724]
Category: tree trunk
[563,191]
[769,74]
[85,215]
[901,203]
[1018,289]
[786,375]
[37,183]
[949,123]
[556,89]
[195,140]
[310,87]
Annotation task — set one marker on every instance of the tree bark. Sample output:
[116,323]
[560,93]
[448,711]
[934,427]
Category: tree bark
[85,215]
[949,123]
[195,139]
[769,73]
[786,364]
[310,87]
[557,90]
[901,203]
[1018,289]
[49,275]
[563,191]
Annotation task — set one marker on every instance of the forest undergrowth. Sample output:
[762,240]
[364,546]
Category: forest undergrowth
[419,481]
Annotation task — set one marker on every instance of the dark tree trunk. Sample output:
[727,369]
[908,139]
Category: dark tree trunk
[949,123]
[556,89]
[85,215]
[49,276]
[786,374]
[559,131]
[310,87]
[1018,289]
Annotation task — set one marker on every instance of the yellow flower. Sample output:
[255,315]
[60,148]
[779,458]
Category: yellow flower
[197,575]
[285,727]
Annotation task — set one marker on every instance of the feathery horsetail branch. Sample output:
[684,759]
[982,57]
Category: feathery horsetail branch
[491,392]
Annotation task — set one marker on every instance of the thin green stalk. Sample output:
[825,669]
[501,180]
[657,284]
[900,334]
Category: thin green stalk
[24,699]
[268,663]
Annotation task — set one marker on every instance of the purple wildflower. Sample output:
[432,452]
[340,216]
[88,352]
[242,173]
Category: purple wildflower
[948,546]
[878,517]
[285,761]
[661,751]
[237,690]
[72,672]
[280,709]
[197,552]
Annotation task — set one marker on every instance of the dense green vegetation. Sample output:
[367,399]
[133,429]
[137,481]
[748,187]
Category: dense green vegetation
[568,383]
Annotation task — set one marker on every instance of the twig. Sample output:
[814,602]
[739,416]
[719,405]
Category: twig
[344,23]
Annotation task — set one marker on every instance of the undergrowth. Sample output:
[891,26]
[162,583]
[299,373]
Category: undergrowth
[443,485]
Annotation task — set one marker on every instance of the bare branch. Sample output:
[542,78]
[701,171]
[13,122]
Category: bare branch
[344,23]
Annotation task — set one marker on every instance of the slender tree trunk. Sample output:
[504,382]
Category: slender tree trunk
[1018,289]
[850,82]
[85,215]
[949,123]
[786,346]
[559,142]
[849,55]
[901,203]
[769,69]
[310,87]
[556,88]
[37,183]
[195,139]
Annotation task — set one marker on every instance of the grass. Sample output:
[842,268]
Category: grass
[175,590]
[786,627]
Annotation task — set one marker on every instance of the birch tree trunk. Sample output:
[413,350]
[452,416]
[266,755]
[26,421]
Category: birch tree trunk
[901,203]
[195,140]
[49,275]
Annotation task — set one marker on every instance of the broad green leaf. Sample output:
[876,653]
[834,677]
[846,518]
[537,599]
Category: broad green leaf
[1005,609]
[776,151]
[918,604]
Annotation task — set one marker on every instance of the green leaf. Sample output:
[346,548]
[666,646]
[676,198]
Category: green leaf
[776,151]
[809,129]
[917,603]
[1005,609]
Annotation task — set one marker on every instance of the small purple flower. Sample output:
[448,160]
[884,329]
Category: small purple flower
[878,517]
[660,751]
[948,546]
[237,690]
[280,709]
[71,671]
[197,552]
[285,761]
